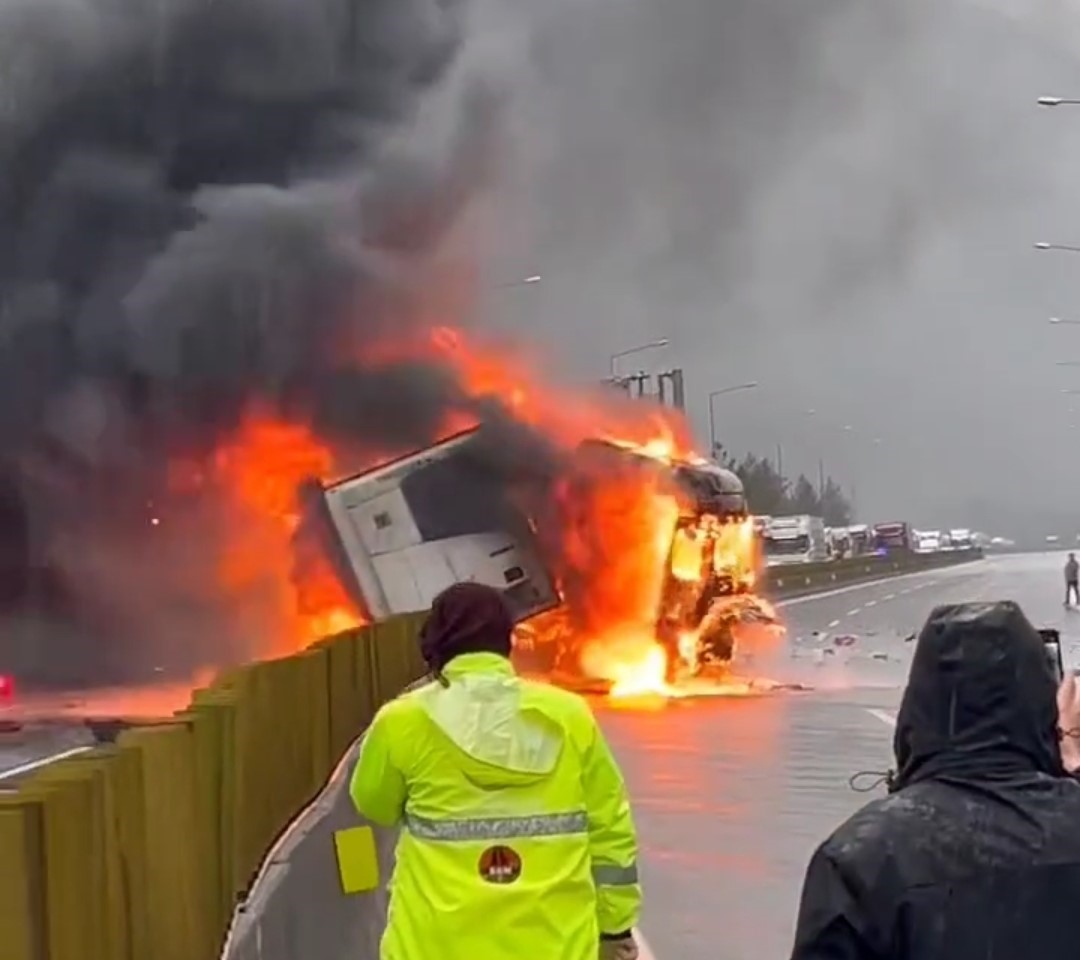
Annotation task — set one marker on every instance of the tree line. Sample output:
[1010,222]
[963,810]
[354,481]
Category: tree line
[770,493]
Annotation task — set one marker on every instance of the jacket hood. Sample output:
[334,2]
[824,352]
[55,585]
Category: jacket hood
[501,741]
[465,618]
[980,704]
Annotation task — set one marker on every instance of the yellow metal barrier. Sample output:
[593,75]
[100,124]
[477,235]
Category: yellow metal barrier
[139,851]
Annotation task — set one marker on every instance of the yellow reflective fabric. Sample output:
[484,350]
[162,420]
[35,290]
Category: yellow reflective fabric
[517,839]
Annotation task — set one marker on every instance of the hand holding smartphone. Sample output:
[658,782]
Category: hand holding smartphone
[1052,645]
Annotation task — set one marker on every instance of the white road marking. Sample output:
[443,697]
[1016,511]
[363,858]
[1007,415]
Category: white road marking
[852,613]
[889,719]
[645,952]
[870,603]
[41,762]
[795,601]
[834,623]
[889,596]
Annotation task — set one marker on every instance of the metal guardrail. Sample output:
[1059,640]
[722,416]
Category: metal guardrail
[797,579]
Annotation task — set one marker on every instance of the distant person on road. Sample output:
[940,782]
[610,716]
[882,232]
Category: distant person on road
[516,834]
[976,851]
[1072,581]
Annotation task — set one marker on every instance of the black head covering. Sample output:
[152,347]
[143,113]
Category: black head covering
[465,618]
[981,701]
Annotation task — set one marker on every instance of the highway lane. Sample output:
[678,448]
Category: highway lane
[39,728]
[35,744]
[733,794]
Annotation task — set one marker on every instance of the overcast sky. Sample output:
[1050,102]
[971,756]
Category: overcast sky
[835,198]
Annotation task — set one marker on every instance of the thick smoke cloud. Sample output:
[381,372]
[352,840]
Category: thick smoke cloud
[834,198]
[200,206]
[192,199]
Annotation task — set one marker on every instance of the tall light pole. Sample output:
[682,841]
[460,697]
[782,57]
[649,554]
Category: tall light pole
[1067,247]
[640,348]
[1057,102]
[1057,320]
[847,429]
[749,385]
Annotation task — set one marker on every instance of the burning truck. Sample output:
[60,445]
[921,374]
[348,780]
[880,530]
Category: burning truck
[619,539]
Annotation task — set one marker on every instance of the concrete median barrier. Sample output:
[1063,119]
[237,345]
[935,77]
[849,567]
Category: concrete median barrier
[797,579]
[297,908]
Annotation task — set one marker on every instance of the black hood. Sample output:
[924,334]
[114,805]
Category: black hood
[980,704]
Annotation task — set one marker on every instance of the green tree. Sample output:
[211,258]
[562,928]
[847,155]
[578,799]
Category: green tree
[835,507]
[804,497]
[770,493]
[766,489]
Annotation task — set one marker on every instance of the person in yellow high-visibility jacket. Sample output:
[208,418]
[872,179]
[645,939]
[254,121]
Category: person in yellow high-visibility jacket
[517,841]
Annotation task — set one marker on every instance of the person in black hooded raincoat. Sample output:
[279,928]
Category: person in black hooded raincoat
[975,853]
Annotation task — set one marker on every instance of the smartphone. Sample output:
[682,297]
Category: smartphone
[1052,645]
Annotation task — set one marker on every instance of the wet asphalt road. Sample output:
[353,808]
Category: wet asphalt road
[36,728]
[732,794]
[24,749]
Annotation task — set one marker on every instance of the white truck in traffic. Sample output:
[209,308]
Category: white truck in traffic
[927,541]
[961,539]
[796,539]
[861,539]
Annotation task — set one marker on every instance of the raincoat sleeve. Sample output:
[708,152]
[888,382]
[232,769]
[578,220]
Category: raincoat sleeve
[377,787]
[832,925]
[612,839]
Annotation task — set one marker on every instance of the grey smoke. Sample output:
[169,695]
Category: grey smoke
[834,198]
[200,204]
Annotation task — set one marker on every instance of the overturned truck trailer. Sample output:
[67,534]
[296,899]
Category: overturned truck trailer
[401,533]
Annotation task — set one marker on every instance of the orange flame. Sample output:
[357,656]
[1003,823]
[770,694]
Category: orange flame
[260,473]
[627,548]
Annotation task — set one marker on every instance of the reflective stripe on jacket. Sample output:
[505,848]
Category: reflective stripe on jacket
[517,839]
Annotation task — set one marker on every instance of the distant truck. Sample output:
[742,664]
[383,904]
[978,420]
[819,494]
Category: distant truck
[839,542]
[861,539]
[895,536]
[927,541]
[961,539]
[403,532]
[795,539]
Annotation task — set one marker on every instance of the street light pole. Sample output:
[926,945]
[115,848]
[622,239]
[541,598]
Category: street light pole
[1067,247]
[1057,320]
[750,385]
[641,348]
[1057,102]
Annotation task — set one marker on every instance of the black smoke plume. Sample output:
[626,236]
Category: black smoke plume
[196,199]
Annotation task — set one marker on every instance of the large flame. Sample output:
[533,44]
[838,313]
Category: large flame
[627,544]
[260,474]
